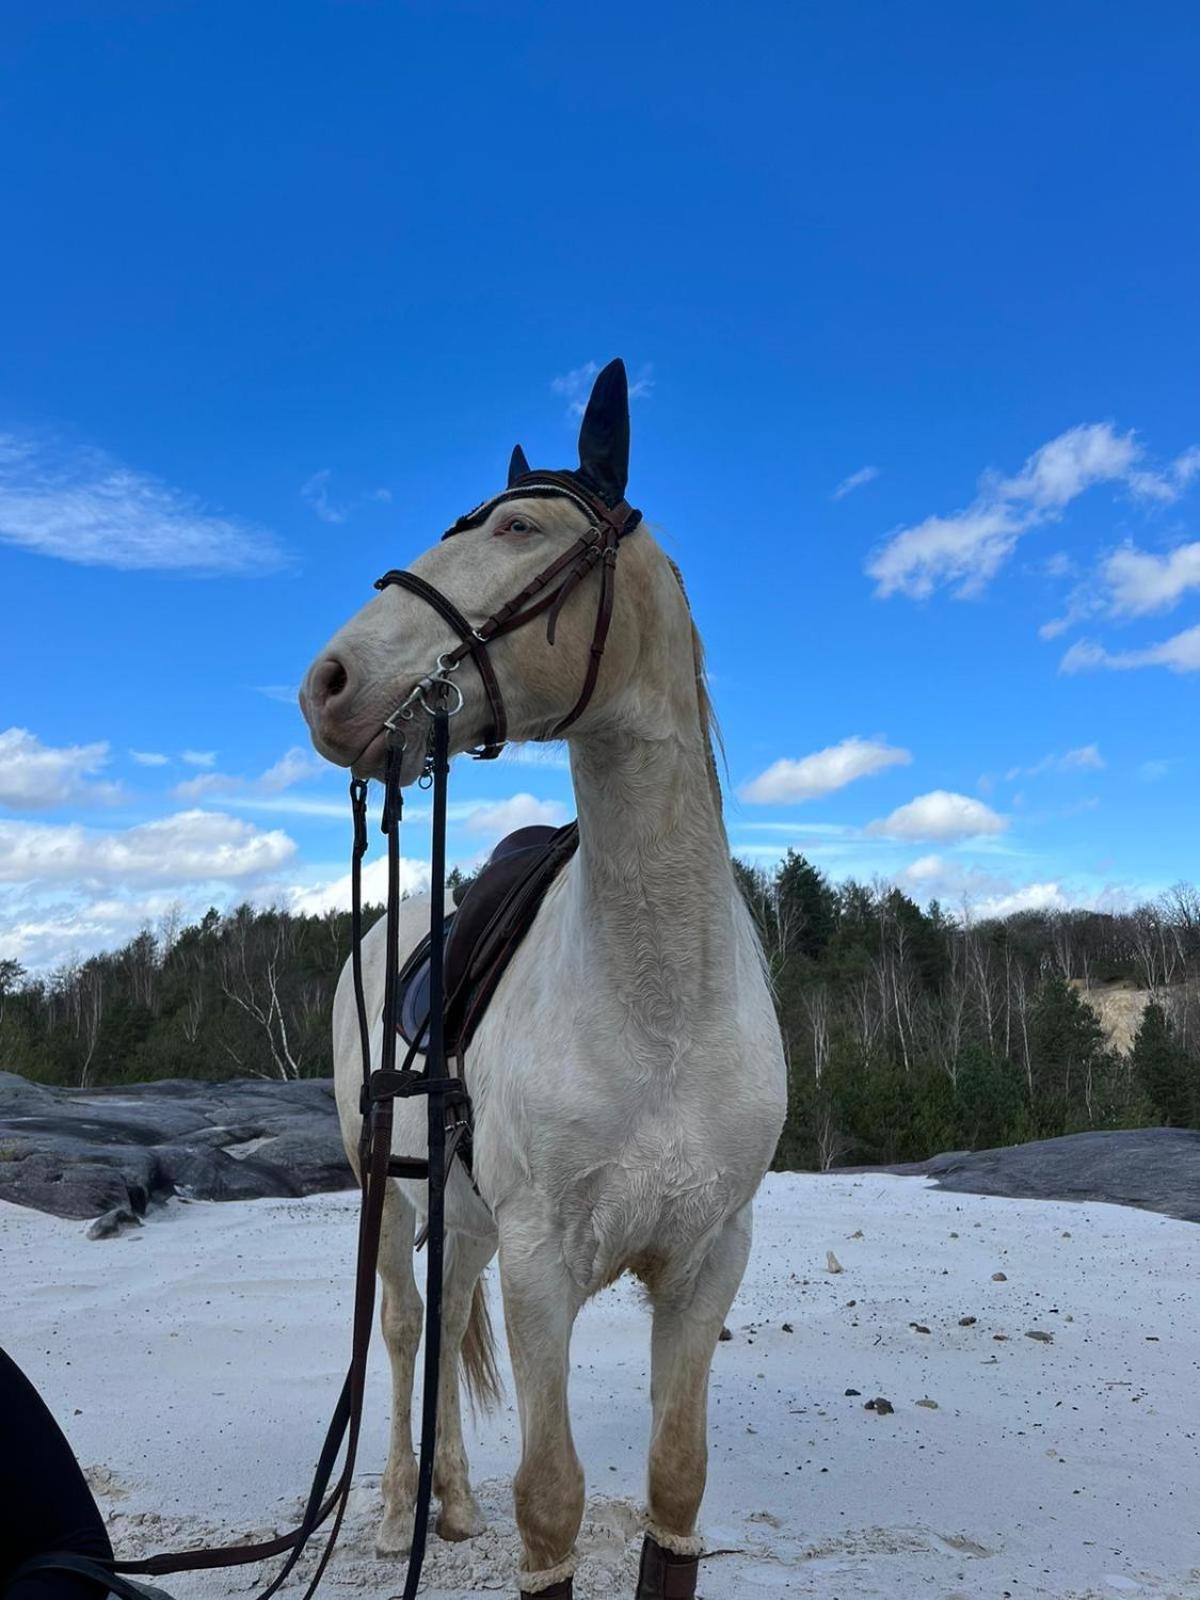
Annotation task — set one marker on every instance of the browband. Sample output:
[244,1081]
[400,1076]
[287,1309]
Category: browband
[543,485]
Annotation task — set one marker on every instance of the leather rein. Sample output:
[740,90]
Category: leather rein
[448,1102]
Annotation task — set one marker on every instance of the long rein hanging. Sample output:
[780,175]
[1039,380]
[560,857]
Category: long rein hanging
[447,1112]
[446,1097]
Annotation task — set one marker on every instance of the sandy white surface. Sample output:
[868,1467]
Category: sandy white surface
[194,1361]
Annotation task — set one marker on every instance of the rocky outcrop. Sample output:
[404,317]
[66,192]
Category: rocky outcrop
[1155,1169]
[87,1152]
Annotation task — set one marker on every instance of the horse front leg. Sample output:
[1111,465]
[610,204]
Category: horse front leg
[400,1318]
[541,1302]
[686,1330]
[464,1311]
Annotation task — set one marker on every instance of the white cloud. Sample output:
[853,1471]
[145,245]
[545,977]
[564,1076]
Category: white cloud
[82,505]
[575,386]
[187,847]
[36,776]
[519,811]
[856,480]
[925,869]
[334,895]
[200,758]
[1130,583]
[298,805]
[933,877]
[44,935]
[1180,653]
[1154,771]
[1059,565]
[294,765]
[316,492]
[205,784]
[1169,485]
[939,815]
[967,549]
[973,892]
[1063,469]
[149,758]
[286,693]
[1140,583]
[788,782]
[1081,605]
[1086,758]
[1030,897]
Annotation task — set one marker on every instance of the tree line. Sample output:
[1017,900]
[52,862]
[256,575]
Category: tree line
[907,1031]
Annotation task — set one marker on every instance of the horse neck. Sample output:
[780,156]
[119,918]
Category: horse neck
[654,900]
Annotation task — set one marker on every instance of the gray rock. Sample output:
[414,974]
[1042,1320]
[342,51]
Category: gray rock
[87,1152]
[1154,1169]
[113,1222]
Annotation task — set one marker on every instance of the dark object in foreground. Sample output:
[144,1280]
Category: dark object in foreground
[52,1532]
[84,1152]
[665,1575]
[1154,1169]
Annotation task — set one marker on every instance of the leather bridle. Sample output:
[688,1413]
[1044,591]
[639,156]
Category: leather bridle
[598,546]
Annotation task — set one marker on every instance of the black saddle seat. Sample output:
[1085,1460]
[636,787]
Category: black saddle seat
[483,934]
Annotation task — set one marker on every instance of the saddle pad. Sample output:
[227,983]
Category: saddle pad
[414,992]
[483,934]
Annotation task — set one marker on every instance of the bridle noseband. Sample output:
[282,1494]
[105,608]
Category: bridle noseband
[608,525]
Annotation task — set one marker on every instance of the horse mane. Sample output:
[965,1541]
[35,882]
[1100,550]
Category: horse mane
[710,728]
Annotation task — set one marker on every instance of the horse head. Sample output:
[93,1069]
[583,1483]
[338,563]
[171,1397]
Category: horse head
[513,616]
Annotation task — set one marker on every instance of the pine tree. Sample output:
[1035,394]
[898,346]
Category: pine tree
[807,906]
[1167,1075]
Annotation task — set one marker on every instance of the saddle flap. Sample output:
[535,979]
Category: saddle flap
[483,934]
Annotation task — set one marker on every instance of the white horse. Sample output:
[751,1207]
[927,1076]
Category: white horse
[628,1078]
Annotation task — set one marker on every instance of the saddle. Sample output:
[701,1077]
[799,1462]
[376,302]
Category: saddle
[482,935]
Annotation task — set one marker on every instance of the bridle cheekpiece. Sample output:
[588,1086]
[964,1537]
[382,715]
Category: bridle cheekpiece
[608,523]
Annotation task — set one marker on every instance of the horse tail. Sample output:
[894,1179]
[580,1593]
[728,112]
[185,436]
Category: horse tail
[479,1354]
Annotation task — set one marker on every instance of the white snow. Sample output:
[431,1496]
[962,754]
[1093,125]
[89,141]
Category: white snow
[193,1364]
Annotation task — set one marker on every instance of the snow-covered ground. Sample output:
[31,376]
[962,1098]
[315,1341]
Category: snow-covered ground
[193,1364]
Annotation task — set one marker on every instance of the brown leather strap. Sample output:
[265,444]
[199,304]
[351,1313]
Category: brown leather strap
[664,1575]
[597,546]
[471,643]
[599,633]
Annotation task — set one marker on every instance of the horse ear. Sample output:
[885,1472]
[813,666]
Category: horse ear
[517,465]
[604,436]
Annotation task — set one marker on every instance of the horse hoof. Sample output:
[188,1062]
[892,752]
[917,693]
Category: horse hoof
[464,1522]
[563,1590]
[394,1539]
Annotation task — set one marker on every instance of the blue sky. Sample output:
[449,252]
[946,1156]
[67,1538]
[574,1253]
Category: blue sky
[909,296]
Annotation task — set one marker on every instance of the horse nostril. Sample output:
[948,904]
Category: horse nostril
[329,680]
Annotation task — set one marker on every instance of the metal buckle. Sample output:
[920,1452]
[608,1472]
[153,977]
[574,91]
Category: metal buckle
[416,696]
